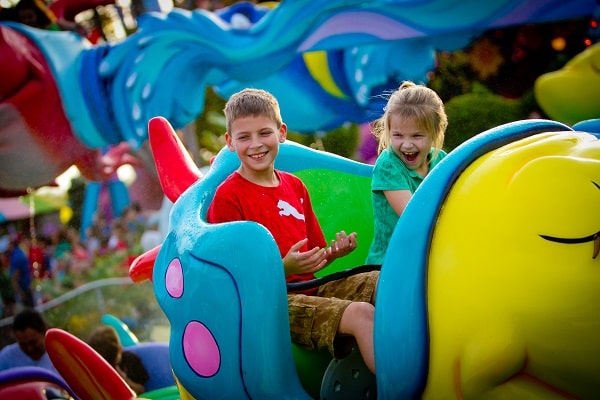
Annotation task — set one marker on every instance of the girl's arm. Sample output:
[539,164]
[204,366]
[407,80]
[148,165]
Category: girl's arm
[398,199]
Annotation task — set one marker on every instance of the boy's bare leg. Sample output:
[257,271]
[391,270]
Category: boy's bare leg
[357,321]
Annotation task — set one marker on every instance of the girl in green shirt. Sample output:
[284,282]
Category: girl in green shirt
[411,136]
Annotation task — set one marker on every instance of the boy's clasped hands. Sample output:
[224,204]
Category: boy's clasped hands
[313,260]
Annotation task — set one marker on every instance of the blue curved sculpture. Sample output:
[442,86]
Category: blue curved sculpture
[58,88]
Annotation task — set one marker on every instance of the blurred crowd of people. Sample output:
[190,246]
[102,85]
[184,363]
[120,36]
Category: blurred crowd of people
[58,257]
[65,255]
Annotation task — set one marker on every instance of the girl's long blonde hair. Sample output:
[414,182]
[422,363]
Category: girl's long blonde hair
[413,101]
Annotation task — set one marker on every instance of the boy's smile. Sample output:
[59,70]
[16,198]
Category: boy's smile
[259,156]
[255,139]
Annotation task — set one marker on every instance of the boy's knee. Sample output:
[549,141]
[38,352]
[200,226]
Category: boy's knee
[365,308]
[361,311]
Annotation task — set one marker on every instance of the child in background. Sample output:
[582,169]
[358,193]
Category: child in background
[411,135]
[335,315]
[105,340]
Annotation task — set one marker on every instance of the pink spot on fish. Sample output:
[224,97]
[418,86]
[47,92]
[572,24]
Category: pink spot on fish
[174,279]
[201,350]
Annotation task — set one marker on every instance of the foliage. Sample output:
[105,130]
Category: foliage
[491,82]
[210,126]
[453,75]
[509,60]
[473,113]
[133,304]
[342,140]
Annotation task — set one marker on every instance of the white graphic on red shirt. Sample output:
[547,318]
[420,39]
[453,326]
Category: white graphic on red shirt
[286,209]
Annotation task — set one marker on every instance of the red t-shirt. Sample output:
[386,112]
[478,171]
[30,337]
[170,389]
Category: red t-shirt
[284,210]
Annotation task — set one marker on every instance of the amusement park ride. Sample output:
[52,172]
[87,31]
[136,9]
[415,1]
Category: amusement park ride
[490,288]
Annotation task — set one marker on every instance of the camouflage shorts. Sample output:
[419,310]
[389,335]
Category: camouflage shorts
[314,319]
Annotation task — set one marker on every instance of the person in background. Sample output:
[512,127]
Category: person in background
[63,253]
[98,234]
[45,243]
[29,350]
[134,222]
[7,290]
[118,237]
[151,236]
[105,340]
[411,135]
[81,260]
[20,272]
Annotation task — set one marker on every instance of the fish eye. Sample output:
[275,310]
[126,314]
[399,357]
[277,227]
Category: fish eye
[595,237]
[591,238]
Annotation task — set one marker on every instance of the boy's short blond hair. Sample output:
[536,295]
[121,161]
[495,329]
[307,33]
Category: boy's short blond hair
[252,102]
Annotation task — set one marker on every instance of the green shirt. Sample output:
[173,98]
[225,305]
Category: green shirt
[390,173]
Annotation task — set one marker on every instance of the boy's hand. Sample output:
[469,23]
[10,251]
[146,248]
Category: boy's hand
[341,246]
[297,262]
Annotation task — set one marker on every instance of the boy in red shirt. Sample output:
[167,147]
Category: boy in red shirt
[335,315]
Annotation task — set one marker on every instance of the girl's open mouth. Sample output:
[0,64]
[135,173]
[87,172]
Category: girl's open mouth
[410,157]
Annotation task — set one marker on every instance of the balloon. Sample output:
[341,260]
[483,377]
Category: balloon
[65,214]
